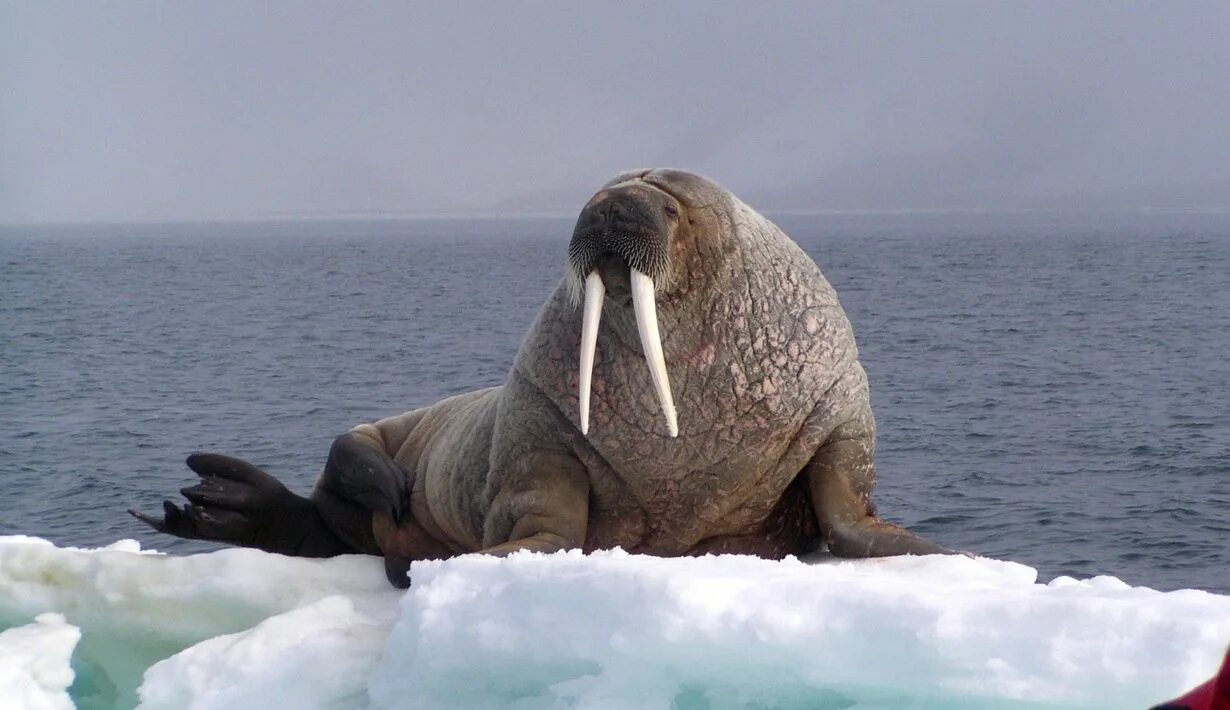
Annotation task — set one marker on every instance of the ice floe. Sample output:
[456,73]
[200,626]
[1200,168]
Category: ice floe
[242,628]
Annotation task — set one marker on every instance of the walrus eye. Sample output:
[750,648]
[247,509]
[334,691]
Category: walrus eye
[670,210]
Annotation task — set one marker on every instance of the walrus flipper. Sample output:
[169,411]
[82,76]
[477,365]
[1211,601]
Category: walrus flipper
[840,477]
[357,471]
[239,504]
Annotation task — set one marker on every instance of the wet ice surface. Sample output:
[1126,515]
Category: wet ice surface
[243,628]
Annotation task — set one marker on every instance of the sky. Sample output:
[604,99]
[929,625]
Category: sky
[149,111]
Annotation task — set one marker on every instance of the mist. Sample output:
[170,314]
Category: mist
[218,111]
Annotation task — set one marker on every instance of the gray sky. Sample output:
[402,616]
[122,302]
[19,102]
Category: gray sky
[216,110]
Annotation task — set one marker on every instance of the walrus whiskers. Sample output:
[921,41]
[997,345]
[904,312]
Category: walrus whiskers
[594,293]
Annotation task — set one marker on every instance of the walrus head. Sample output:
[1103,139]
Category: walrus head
[622,247]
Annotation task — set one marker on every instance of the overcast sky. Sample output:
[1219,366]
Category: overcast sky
[218,110]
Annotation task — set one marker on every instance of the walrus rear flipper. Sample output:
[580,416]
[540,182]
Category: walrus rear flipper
[356,471]
[239,504]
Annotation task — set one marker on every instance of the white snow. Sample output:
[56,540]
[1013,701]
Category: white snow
[34,663]
[242,628]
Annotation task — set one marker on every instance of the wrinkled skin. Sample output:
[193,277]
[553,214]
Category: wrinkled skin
[776,436]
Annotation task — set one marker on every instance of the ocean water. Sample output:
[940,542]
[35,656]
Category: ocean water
[1051,390]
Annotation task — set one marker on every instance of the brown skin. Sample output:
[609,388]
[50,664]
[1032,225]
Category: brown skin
[776,442]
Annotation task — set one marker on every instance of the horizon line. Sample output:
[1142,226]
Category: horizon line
[425,216]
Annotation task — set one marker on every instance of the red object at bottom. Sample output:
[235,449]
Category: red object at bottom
[1213,694]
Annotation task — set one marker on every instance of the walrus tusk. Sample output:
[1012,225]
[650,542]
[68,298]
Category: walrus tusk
[594,292]
[651,343]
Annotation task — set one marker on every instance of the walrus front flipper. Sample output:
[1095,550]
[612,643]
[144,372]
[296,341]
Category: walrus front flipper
[840,477]
[359,472]
[397,569]
[239,504]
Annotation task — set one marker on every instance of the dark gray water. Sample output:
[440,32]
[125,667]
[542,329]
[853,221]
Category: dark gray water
[1052,391]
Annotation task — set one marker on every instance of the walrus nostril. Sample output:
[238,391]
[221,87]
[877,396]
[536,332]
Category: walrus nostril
[596,218]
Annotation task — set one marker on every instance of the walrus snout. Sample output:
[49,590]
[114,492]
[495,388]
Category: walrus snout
[627,209]
[633,222]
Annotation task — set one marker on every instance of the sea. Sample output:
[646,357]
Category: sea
[1049,389]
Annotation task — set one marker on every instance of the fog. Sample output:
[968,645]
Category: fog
[234,110]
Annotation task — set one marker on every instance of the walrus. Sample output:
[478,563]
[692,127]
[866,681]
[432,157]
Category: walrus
[691,386]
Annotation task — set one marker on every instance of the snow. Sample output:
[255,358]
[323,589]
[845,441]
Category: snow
[34,663]
[243,628]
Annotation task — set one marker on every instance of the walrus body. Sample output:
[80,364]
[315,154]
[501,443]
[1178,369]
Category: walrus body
[774,451]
